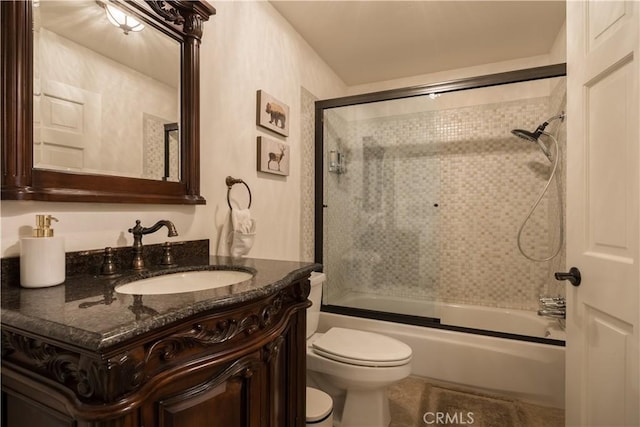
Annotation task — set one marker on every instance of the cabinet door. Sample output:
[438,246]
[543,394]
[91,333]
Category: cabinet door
[20,411]
[227,397]
[224,405]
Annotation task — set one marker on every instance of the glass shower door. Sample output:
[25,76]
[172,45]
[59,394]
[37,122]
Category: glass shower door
[381,217]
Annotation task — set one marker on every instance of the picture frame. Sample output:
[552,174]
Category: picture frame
[272,114]
[273,156]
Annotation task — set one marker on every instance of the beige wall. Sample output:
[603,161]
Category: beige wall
[247,46]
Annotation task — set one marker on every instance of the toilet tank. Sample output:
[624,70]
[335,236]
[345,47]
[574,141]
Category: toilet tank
[315,296]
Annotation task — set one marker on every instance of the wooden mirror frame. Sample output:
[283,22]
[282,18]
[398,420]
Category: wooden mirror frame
[182,19]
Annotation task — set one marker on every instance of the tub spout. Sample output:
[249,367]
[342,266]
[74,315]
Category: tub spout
[551,312]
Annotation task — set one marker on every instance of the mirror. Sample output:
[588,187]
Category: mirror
[102,96]
[91,114]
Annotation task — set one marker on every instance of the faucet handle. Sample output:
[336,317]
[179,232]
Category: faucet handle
[167,256]
[553,302]
[108,267]
[546,298]
[136,229]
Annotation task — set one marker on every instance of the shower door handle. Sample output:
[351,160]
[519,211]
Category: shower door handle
[573,276]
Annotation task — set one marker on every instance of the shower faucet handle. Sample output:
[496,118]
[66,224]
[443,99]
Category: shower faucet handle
[553,302]
[555,307]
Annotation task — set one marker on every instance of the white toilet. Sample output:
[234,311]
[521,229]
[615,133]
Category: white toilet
[353,367]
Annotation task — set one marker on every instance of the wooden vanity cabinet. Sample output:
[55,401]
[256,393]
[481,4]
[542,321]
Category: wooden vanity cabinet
[240,366]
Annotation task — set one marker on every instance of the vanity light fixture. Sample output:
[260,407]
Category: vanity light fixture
[121,20]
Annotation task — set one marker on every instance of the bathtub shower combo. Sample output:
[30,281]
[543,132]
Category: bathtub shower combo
[436,225]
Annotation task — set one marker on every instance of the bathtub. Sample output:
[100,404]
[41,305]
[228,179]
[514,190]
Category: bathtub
[529,371]
[506,320]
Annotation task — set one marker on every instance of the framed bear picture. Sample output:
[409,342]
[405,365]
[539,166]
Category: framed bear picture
[273,114]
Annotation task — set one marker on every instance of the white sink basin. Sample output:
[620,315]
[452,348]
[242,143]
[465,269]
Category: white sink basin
[188,281]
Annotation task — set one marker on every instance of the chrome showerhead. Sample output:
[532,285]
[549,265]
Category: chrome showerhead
[525,134]
[535,135]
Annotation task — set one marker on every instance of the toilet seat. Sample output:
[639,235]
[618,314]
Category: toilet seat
[361,348]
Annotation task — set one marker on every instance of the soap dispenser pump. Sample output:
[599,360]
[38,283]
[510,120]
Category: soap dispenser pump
[42,256]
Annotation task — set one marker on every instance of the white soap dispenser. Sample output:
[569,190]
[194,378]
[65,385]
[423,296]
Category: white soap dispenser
[42,257]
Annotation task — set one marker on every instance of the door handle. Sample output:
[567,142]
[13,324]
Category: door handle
[573,276]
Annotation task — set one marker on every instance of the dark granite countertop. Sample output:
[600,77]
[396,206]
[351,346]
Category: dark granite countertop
[86,312]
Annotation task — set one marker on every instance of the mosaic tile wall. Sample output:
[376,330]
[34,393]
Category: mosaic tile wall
[153,150]
[307,186]
[431,203]
[556,211]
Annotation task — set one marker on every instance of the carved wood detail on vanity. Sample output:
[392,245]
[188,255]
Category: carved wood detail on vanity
[90,378]
[212,330]
[243,362]
[99,379]
[272,349]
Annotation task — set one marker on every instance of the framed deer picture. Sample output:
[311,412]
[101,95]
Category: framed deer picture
[273,156]
[273,114]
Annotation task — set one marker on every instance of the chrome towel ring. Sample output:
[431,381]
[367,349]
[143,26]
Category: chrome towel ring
[230,183]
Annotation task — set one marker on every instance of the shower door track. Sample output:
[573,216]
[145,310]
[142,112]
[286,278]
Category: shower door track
[431,322]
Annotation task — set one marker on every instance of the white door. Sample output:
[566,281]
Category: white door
[66,126]
[603,194]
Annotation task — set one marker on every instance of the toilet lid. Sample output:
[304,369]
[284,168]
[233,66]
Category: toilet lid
[319,405]
[362,348]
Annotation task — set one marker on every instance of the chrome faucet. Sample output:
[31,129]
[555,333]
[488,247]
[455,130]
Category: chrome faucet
[138,231]
[555,307]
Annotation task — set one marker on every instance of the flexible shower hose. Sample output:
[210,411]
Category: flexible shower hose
[537,202]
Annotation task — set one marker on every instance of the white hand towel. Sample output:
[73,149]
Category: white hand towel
[224,240]
[243,233]
[237,234]
[241,220]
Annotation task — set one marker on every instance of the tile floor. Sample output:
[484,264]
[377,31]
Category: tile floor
[416,402]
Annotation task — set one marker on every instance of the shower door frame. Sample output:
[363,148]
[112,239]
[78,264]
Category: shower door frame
[516,76]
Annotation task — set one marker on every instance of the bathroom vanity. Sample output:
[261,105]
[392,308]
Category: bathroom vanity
[83,354]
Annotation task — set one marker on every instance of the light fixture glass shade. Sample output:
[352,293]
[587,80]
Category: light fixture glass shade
[122,20]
